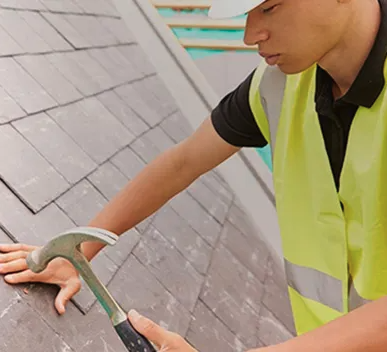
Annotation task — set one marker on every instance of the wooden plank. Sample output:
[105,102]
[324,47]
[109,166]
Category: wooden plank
[191,22]
[182,4]
[216,44]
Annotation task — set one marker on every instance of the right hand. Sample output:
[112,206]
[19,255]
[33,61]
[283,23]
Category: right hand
[58,272]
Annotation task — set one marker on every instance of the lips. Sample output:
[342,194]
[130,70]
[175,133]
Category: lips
[270,58]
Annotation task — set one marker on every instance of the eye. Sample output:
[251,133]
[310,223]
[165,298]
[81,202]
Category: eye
[269,9]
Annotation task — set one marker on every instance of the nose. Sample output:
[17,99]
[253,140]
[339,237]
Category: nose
[254,30]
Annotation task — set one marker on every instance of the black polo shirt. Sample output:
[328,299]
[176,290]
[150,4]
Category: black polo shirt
[234,121]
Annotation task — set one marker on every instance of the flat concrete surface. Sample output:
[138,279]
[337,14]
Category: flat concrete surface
[81,113]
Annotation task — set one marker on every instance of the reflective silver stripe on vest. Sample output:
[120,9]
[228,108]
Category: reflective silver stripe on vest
[315,285]
[355,301]
[272,91]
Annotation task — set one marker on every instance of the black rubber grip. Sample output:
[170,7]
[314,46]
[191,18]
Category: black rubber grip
[134,341]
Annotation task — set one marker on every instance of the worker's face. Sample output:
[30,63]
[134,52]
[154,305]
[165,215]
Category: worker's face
[296,34]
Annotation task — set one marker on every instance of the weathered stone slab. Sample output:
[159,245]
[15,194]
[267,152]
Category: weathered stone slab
[170,267]
[24,34]
[177,230]
[128,162]
[138,58]
[27,172]
[9,109]
[123,112]
[49,78]
[29,228]
[97,7]
[93,127]
[234,295]
[135,287]
[176,127]
[118,28]
[61,6]
[207,333]
[23,88]
[45,30]
[22,4]
[56,146]
[8,45]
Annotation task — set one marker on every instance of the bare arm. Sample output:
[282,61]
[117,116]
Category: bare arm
[166,176]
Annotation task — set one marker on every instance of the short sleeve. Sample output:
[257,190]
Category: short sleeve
[234,121]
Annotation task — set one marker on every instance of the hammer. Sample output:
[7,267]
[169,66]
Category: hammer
[67,245]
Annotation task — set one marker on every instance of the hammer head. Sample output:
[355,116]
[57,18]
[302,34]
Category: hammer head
[67,245]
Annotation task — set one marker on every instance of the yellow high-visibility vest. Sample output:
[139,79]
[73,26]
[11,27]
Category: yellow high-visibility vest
[335,257]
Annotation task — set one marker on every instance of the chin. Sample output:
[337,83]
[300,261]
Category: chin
[290,69]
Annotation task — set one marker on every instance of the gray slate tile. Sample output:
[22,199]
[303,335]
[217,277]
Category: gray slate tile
[248,249]
[123,112]
[170,267]
[9,109]
[45,30]
[97,7]
[234,295]
[218,186]
[138,58]
[119,67]
[61,6]
[124,246]
[241,220]
[176,127]
[97,131]
[270,330]
[184,238]
[8,45]
[118,28]
[31,329]
[4,238]
[49,78]
[60,23]
[56,146]
[23,88]
[138,104]
[209,200]
[276,299]
[128,163]
[92,68]
[156,95]
[23,4]
[92,30]
[82,203]
[74,73]
[135,287]
[29,228]
[23,34]
[108,180]
[25,170]
[207,333]
[201,221]
[152,144]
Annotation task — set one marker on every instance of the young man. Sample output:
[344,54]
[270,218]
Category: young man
[320,100]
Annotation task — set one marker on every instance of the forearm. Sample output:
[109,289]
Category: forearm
[362,330]
[160,181]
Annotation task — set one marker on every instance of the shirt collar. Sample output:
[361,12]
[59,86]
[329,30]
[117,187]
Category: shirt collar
[370,81]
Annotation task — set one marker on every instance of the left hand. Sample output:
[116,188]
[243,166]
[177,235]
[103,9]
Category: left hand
[164,340]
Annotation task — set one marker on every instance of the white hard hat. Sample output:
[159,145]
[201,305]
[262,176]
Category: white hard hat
[232,8]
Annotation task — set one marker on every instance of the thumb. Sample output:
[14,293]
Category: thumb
[148,328]
[64,295]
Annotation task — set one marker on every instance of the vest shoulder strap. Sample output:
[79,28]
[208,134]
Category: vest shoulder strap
[267,91]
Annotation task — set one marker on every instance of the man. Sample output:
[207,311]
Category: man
[320,100]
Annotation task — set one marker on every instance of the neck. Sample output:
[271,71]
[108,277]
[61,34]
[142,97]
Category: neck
[345,60]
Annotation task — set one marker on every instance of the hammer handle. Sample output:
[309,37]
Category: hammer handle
[134,341]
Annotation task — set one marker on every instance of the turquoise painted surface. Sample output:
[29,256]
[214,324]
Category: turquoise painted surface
[265,152]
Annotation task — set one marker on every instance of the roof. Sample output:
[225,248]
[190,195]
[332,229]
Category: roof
[82,111]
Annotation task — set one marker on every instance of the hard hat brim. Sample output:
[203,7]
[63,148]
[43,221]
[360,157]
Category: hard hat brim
[232,8]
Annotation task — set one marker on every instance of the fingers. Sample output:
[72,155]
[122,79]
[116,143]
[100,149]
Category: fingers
[5,258]
[65,294]
[13,266]
[149,329]
[16,247]
[22,277]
